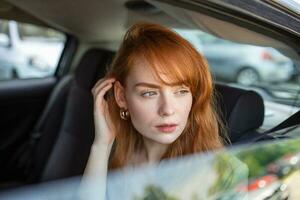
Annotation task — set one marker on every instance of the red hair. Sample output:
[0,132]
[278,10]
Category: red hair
[167,53]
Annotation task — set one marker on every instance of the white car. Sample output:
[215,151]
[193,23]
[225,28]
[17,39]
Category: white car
[240,63]
[27,57]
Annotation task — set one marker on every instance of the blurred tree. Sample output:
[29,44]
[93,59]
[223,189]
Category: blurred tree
[260,155]
[153,192]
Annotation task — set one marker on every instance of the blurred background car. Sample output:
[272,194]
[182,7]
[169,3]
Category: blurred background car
[28,51]
[285,165]
[266,187]
[241,63]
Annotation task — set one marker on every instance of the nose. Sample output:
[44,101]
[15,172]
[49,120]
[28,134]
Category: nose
[167,106]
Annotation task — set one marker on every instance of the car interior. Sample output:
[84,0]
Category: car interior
[47,123]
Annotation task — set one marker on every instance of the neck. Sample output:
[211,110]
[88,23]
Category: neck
[154,150]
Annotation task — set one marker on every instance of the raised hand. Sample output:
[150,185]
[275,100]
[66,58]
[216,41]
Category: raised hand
[104,128]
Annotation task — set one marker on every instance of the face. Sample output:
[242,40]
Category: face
[157,111]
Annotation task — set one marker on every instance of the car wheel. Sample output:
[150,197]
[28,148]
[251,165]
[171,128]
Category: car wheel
[247,76]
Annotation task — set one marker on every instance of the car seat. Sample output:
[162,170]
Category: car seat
[242,112]
[65,129]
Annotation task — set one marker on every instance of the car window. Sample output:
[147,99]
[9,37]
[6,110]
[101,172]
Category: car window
[4,27]
[29,31]
[28,51]
[263,69]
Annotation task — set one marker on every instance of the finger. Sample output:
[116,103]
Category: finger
[99,96]
[100,84]
[100,88]
[102,80]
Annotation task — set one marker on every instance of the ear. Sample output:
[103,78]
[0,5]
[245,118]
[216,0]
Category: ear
[119,92]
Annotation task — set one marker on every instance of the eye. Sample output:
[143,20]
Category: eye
[182,92]
[148,94]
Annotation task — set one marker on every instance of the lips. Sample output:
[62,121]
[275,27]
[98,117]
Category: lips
[166,128]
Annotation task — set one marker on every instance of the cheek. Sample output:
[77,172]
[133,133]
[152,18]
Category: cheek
[186,106]
[141,111]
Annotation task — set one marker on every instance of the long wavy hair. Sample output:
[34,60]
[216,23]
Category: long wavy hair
[167,53]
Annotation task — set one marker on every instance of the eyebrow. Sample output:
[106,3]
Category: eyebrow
[151,85]
[144,84]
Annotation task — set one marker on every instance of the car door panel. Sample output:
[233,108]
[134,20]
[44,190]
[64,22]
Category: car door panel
[21,104]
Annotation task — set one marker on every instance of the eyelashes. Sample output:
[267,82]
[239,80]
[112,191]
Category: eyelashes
[148,94]
[183,91]
[151,93]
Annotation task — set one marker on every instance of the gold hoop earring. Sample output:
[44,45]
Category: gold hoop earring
[124,114]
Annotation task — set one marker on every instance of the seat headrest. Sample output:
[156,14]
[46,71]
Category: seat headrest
[242,110]
[92,66]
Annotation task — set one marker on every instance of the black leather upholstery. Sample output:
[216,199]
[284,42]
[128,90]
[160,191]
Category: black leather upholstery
[242,110]
[66,124]
[92,66]
[49,125]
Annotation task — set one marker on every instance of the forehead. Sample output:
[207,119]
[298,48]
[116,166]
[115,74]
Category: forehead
[142,71]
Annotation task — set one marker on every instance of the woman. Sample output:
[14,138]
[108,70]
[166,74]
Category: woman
[156,102]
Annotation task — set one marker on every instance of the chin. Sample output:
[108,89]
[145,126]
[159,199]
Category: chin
[166,139]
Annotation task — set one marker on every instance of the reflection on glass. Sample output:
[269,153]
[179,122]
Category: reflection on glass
[195,177]
[242,172]
[269,170]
